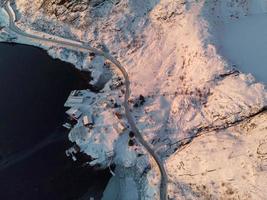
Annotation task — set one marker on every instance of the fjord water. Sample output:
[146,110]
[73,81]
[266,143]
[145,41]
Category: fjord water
[33,164]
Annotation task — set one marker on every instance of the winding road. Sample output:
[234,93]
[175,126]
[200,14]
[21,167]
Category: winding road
[79,46]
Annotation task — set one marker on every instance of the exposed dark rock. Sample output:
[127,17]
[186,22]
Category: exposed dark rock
[131,143]
[140,101]
[131,134]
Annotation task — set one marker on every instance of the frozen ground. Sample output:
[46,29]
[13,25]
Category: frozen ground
[228,164]
[243,41]
[180,57]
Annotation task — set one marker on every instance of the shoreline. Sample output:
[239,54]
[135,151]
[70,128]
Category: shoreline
[39,169]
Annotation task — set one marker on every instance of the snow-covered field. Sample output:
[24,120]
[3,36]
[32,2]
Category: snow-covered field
[243,40]
[244,43]
[181,56]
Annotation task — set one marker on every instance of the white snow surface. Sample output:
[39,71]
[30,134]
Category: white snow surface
[242,36]
[180,55]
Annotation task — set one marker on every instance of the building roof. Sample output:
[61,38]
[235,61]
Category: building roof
[74,112]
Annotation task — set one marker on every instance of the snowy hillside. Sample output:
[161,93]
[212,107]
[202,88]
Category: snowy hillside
[203,113]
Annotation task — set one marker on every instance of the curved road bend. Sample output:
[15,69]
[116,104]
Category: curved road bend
[82,47]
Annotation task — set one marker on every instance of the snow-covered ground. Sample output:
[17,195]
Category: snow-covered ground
[228,164]
[244,43]
[180,56]
[242,38]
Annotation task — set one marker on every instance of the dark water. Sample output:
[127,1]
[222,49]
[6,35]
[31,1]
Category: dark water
[33,90]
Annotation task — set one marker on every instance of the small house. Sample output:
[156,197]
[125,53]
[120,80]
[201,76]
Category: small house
[121,127]
[72,151]
[74,113]
[111,102]
[118,115]
[116,83]
[75,93]
[88,120]
[67,126]
[74,98]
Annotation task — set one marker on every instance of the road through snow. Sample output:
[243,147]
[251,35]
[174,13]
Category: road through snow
[76,45]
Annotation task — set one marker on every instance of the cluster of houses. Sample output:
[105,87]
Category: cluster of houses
[81,124]
[72,151]
[75,114]
[75,101]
